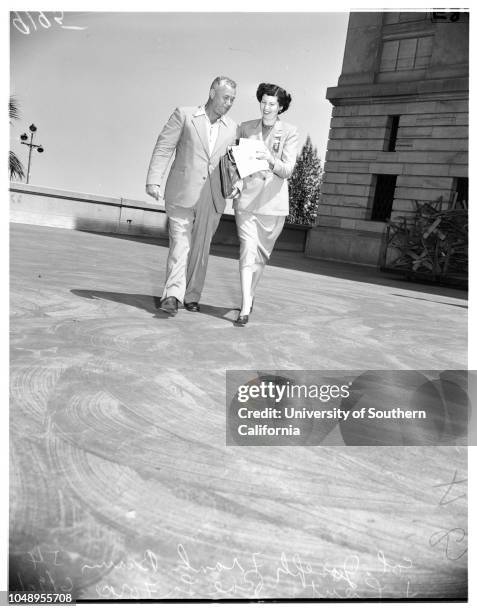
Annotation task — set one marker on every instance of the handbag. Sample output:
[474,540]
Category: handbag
[229,175]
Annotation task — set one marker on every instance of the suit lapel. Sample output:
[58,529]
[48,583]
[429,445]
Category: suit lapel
[276,130]
[224,133]
[257,129]
[275,139]
[200,124]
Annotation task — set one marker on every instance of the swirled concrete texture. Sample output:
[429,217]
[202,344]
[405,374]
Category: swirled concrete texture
[121,483]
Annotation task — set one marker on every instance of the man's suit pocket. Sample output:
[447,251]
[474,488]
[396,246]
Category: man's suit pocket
[176,183]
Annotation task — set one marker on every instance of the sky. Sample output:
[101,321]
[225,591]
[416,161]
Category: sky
[100,95]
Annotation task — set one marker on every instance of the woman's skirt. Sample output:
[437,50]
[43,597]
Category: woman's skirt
[258,234]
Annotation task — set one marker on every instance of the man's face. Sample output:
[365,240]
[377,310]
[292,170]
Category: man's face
[221,99]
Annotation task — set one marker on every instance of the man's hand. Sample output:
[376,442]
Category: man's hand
[237,190]
[153,191]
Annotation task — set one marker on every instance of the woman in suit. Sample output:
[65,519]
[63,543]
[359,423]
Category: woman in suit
[262,204]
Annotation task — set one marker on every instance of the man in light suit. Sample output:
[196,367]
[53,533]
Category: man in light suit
[194,203]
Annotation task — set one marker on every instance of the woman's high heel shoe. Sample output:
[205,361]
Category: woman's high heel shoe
[243,319]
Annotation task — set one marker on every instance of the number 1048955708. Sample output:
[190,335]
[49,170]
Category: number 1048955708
[28,597]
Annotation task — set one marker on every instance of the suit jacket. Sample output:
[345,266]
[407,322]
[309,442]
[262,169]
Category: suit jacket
[195,173]
[266,192]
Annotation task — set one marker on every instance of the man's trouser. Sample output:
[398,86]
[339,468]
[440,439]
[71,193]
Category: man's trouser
[190,234]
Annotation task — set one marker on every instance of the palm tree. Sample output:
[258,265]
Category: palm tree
[15,165]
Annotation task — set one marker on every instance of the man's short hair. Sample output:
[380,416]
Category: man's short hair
[220,80]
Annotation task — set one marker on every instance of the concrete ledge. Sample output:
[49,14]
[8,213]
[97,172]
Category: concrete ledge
[39,190]
[345,245]
[37,205]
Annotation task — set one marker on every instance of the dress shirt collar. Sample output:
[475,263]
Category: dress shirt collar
[201,111]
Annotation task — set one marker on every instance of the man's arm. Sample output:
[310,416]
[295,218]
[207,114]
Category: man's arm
[153,190]
[165,147]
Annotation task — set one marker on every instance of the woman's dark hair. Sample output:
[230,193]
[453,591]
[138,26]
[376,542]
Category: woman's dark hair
[268,89]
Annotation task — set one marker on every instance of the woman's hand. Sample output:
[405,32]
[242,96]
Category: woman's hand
[266,155]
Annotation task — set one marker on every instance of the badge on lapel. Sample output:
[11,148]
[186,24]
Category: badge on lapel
[277,137]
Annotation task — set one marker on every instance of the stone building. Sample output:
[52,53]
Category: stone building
[399,128]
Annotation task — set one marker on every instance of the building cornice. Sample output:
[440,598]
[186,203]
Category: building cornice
[430,89]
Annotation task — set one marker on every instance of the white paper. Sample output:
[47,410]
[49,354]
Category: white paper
[245,155]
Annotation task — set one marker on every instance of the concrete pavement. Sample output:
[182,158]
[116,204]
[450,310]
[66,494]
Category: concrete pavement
[121,483]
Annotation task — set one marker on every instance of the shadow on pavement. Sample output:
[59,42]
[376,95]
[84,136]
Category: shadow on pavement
[150,303]
[293,260]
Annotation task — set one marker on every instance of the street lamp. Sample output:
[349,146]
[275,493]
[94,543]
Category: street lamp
[39,148]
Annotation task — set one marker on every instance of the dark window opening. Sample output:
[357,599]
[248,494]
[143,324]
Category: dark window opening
[391,133]
[383,197]
[461,188]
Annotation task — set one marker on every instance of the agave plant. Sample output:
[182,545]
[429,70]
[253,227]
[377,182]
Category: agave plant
[15,166]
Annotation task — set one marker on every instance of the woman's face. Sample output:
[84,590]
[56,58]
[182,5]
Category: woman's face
[269,107]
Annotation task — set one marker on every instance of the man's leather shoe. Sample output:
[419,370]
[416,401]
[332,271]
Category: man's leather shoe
[192,306]
[170,305]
